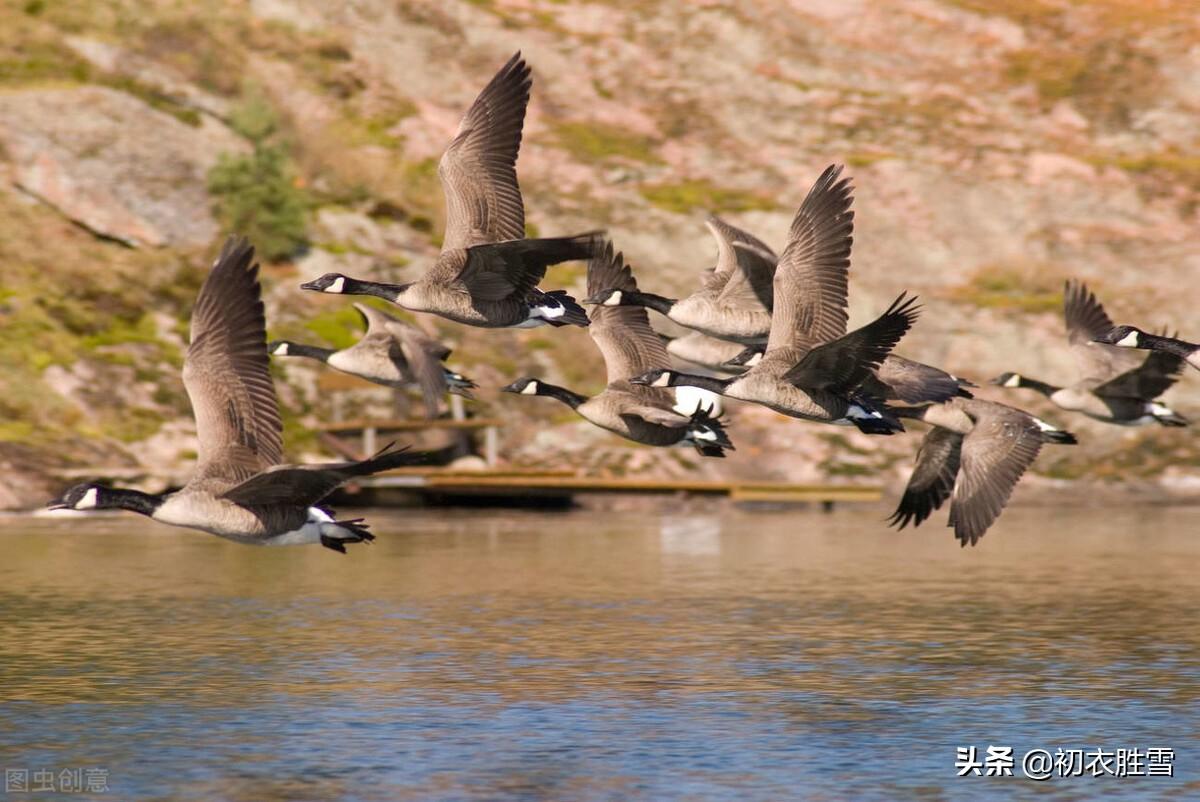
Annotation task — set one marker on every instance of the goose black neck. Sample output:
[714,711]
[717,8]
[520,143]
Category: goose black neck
[132,500]
[568,397]
[310,351]
[658,303]
[1168,345]
[1041,387]
[388,292]
[710,383]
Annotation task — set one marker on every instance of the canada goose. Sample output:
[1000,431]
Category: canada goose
[1118,385]
[392,353]
[1133,337]
[734,303]
[812,369]
[488,272]
[238,490]
[976,452]
[896,379]
[623,335]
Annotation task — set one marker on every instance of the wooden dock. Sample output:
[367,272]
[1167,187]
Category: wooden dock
[540,486]
[371,432]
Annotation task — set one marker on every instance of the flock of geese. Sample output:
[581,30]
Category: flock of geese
[773,327]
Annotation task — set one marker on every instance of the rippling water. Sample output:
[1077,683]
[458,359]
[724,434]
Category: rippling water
[580,656]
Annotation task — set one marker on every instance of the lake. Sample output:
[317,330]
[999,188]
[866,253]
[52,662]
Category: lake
[499,655]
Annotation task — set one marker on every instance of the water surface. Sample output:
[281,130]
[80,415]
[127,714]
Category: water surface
[585,656]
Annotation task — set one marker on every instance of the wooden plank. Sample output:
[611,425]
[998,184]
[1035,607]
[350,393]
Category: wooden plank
[398,425]
[831,493]
[761,491]
[426,471]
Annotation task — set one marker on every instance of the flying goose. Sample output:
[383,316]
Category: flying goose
[392,353]
[488,272]
[974,455]
[623,335]
[1117,385]
[238,490]
[734,302]
[812,369]
[1133,337]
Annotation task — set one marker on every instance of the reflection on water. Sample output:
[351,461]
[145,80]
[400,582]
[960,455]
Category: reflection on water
[583,656]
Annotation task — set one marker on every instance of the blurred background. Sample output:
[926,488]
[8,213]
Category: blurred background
[999,147]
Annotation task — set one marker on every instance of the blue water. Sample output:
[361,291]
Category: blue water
[475,656]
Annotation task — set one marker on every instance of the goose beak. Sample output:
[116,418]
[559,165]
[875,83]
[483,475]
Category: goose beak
[591,301]
[640,380]
[58,505]
[510,388]
[310,285]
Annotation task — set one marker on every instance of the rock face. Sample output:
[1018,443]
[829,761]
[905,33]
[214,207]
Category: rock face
[112,164]
[998,148]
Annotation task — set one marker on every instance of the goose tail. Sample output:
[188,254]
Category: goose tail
[343,532]
[872,417]
[560,309]
[707,433]
[458,384]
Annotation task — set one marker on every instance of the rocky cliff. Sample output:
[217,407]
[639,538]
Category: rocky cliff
[998,148]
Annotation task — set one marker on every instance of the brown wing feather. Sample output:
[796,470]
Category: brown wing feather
[997,451]
[306,485]
[501,270]
[1087,320]
[427,368]
[745,268]
[622,333]
[841,365]
[932,479]
[811,279]
[226,372]
[479,169]
[1149,380]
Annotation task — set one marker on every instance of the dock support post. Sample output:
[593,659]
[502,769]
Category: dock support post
[456,408]
[369,440]
[490,446]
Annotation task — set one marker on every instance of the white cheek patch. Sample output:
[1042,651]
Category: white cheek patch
[754,360]
[857,412]
[1013,381]
[1130,340]
[1160,409]
[614,299]
[530,389]
[662,381]
[1045,427]
[281,349]
[337,286]
[89,500]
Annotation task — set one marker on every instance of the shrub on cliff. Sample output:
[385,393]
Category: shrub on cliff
[257,195]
